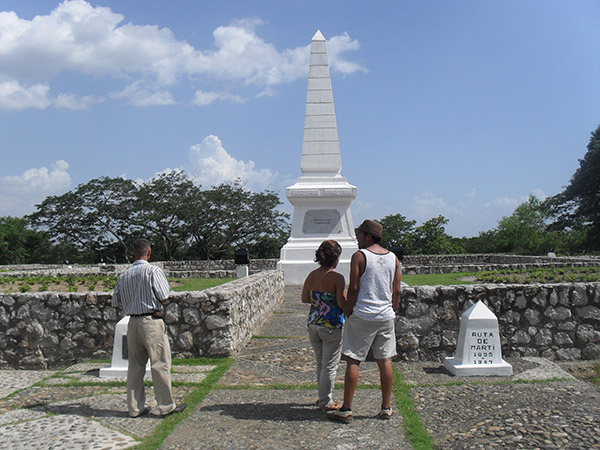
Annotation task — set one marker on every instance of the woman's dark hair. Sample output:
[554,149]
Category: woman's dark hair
[328,253]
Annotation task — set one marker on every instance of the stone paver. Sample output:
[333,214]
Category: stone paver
[62,432]
[242,419]
[13,380]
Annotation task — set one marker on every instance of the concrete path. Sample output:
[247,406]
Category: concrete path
[267,400]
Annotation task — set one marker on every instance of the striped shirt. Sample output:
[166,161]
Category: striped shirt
[140,289]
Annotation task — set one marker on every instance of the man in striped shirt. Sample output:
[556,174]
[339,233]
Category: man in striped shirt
[141,291]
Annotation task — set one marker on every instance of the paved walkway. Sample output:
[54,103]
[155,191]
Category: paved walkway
[251,407]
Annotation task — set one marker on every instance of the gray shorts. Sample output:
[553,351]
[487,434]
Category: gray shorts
[360,335]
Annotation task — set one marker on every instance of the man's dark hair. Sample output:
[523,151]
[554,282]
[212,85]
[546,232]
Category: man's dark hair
[140,247]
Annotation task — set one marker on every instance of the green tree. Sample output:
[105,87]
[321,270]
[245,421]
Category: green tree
[398,230]
[228,216]
[21,245]
[523,232]
[95,219]
[484,242]
[431,238]
[578,206]
[161,204]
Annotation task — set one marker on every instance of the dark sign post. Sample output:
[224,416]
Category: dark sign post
[241,262]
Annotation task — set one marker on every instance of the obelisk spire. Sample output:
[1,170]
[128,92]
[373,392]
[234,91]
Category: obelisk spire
[320,145]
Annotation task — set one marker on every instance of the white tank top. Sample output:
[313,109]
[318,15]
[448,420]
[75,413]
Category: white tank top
[374,301]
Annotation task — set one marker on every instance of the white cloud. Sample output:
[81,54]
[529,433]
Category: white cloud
[427,205]
[70,101]
[19,194]
[138,95]
[202,98]
[210,164]
[338,45]
[78,37]
[13,96]
[504,202]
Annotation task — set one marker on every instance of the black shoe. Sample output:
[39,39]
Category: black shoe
[177,409]
[144,412]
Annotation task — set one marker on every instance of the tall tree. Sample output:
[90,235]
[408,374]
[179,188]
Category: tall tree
[578,206]
[228,216]
[523,231]
[431,238]
[398,230]
[161,204]
[20,245]
[97,217]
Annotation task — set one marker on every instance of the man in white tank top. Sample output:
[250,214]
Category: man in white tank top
[373,295]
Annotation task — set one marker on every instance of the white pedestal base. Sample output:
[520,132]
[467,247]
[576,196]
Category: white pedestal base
[119,362]
[241,271]
[498,369]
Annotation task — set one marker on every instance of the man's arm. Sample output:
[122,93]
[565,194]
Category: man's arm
[357,264]
[397,285]
[160,285]
[116,299]
[340,290]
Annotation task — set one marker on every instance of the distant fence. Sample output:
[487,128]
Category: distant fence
[424,264]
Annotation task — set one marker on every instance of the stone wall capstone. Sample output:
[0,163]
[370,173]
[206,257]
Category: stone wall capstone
[50,329]
[556,321]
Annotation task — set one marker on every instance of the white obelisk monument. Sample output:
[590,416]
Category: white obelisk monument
[321,196]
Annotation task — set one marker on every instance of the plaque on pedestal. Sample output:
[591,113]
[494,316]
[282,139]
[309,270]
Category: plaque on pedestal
[478,350]
[119,361]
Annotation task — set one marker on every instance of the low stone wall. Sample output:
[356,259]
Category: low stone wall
[556,321]
[175,269]
[424,264]
[49,329]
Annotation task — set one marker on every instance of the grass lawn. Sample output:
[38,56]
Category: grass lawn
[433,279]
[522,276]
[100,283]
[198,284]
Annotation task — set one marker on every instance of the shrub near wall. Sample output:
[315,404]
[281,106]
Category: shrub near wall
[556,321]
[49,329]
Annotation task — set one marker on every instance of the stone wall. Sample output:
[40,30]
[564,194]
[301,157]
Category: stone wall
[423,264]
[176,269]
[49,329]
[556,321]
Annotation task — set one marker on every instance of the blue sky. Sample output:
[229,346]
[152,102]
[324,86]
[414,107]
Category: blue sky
[459,108]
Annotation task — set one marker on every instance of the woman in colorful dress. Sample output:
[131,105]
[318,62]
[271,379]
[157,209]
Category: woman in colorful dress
[324,290]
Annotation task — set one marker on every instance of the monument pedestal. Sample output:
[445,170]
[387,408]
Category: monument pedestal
[478,351]
[119,361]
[321,211]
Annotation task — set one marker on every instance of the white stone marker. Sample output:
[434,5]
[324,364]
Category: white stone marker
[119,362]
[321,196]
[241,271]
[478,350]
